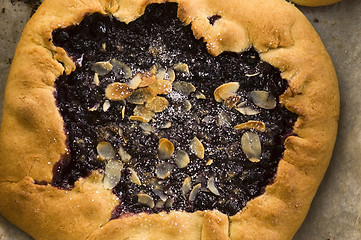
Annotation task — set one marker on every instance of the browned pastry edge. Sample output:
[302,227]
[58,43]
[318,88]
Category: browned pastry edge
[32,139]
[315,3]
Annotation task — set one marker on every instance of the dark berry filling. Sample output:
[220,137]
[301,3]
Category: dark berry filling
[190,147]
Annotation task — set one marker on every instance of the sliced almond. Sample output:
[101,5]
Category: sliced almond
[263,99]
[159,204]
[120,68]
[145,199]
[102,68]
[112,174]
[197,147]
[159,104]
[142,111]
[212,186]
[247,111]
[124,155]
[169,203]
[251,146]
[200,95]
[96,79]
[225,90]
[194,192]
[186,106]
[209,162]
[223,119]
[139,119]
[171,75]
[146,127]
[105,150]
[159,192]
[181,158]
[134,177]
[141,96]
[106,105]
[135,81]
[184,88]
[181,67]
[161,87]
[163,170]
[165,149]
[160,75]
[118,91]
[166,125]
[257,125]
[253,75]
[187,186]
[147,80]
[231,101]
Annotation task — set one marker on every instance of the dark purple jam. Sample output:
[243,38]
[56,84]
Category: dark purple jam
[159,38]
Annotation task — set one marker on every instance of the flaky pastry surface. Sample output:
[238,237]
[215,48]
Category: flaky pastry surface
[32,137]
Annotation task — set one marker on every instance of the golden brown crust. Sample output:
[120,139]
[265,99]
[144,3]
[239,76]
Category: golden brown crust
[315,3]
[32,138]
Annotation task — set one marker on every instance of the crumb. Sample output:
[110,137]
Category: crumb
[316,20]
[3,10]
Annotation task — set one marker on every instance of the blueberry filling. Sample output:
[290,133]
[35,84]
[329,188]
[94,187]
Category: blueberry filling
[171,127]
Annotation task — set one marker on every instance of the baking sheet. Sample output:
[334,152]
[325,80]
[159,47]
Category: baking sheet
[336,210]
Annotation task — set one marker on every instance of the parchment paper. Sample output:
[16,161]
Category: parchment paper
[336,210]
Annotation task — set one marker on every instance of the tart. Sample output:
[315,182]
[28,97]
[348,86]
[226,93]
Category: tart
[159,120]
[315,3]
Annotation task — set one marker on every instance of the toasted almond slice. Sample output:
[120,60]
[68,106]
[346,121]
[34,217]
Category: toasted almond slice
[223,119]
[135,81]
[159,204]
[171,75]
[253,75]
[257,125]
[145,199]
[105,150]
[187,186]
[197,147]
[165,149]
[124,155]
[181,158]
[200,95]
[212,186]
[160,75]
[169,203]
[159,192]
[231,101]
[163,170]
[247,111]
[251,146]
[181,67]
[139,119]
[112,174]
[141,96]
[146,127]
[134,177]
[119,68]
[166,125]
[225,90]
[147,80]
[117,91]
[184,88]
[102,68]
[194,192]
[96,79]
[209,162]
[142,111]
[186,106]
[161,87]
[106,105]
[263,99]
[159,104]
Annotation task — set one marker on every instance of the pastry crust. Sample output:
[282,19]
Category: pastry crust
[32,139]
[315,3]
